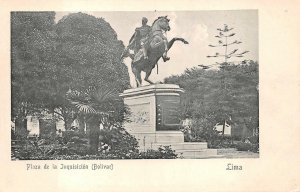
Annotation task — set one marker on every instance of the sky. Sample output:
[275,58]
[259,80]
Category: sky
[197,27]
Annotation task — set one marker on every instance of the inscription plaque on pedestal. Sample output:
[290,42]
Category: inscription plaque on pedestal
[168,112]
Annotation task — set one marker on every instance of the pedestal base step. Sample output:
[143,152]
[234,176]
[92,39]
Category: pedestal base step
[181,146]
[189,150]
[197,154]
[148,138]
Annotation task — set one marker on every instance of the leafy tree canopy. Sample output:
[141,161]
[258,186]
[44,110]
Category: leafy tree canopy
[49,59]
[90,51]
[230,93]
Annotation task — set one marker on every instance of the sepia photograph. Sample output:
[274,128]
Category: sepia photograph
[178,96]
[134,85]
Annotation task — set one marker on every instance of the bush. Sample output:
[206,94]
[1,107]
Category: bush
[212,137]
[164,152]
[21,134]
[236,137]
[222,142]
[247,147]
[202,131]
[47,128]
[46,148]
[254,139]
[121,144]
[75,145]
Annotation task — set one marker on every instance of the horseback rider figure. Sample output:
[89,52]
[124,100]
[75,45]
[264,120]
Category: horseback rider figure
[149,44]
[139,38]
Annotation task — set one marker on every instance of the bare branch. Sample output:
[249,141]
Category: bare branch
[232,34]
[244,52]
[233,52]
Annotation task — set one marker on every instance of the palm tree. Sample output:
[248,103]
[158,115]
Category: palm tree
[95,107]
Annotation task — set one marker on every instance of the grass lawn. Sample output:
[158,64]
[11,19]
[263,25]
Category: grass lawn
[233,153]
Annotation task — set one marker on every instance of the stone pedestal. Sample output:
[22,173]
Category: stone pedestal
[155,119]
[154,113]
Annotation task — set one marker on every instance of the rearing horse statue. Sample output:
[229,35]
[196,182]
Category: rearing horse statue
[157,47]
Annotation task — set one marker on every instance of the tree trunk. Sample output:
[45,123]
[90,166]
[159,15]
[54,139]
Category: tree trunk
[67,120]
[94,141]
[93,126]
[81,122]
[21,127]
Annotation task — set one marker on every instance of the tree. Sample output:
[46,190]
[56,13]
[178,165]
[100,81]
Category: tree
[89,46]
[32,42]
[98,106]
[88,55]
[72,69]
[209,100]
[50,59]
[224,35]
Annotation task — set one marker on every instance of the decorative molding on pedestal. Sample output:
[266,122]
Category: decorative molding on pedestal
[157,89]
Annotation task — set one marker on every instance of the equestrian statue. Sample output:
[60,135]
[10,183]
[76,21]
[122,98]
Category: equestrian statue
[149,44]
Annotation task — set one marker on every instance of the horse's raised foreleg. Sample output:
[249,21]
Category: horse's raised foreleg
[165,56]
[170,44]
